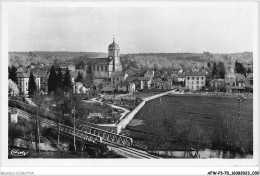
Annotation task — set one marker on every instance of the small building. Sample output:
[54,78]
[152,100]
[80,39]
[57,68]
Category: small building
[149,73]
[12,88]
[108,89]
[117,77]
[125,86]
[77,87]
[249,77]
[181,77]
[145,82]
[195,80]
[217,84]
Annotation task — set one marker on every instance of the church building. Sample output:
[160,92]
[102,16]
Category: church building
[104,69]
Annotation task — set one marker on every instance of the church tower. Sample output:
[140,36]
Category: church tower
[113,54]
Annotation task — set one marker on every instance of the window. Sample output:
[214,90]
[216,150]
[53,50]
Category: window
[97,68]
[192,78]
[202,78]
[192,83]
[198,82]
[93,68]
[187,82]
[198,87]
[198,78]
[101,68]
[202,82]
[188,78]
[106,68]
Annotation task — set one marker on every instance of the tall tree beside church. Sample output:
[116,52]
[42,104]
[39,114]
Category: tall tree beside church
[79,77]
[32,84]
[222,70]
[12,74]
[52,81]
[239,68]
[90,76]
[215,71]
[59,78]
[67,84]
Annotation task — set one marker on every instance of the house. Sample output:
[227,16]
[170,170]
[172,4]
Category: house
[145,82]
[174,77]
[235,82]
[181,77]
[217,84]
[77,86]
[249,77]
[23,81]
[195,80]
[125,86]
[180,71]
[12,88]
[149,73]
[117,77]
[64,66]
[160,84]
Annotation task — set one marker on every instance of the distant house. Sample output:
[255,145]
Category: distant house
[66,66]
[180,71]
[149,73]
[160,84]
[249,77]
[217,83]
[77,87]
[117,77]
[12,88]
[195,80]
[125,86]
[181,77]
[145,82]
[235,82]
[23,81]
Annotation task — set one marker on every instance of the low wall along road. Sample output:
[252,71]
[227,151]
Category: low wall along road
[131,115]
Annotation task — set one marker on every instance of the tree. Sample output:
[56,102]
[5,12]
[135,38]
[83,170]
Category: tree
[12,74]
[15,131]
[90,77]
[79,77]
[222,70]
[59,78]
[208,65]
[32,84]
[52,81]
[67,84]
[215,71]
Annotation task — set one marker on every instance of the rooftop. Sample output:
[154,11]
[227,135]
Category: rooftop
[195,74]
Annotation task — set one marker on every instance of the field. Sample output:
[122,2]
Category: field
[158,117]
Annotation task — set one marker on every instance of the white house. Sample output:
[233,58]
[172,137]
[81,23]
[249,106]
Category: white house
[195,80]
[77,86]
[145,82]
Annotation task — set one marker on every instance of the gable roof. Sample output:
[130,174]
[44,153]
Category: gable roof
[181,75]
[144,78]
[195,74]
[118,73]
[123,83]
[131,79]
[22,75]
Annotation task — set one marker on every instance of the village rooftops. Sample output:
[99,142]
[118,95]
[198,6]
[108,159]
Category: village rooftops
[118,73]
[195,74]
[181,75]
[144,78]
[123,83]
[131,78]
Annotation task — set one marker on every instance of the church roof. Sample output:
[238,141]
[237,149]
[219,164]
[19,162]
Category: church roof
[113,45]
[96,61]
[118,73]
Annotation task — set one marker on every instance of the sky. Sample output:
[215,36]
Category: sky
[216,28]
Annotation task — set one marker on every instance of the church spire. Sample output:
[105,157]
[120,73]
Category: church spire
[113,38]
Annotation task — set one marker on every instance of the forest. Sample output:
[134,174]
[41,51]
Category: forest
[139,60]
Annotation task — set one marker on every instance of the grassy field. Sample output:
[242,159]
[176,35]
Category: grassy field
[159,116]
